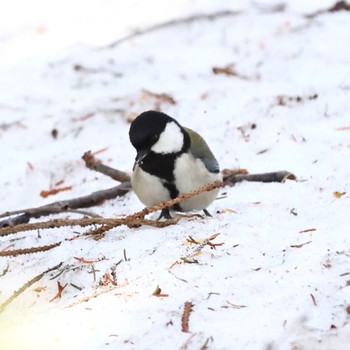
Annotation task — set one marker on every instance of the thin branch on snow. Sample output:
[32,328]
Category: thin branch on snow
[96,198]
[338,6]
[95,164]
[188,305]
[230,177]
[31,250]
[175,22]
[277,176]
[109,288]
[93,199]
[26,286]
[133,220]
[190,19]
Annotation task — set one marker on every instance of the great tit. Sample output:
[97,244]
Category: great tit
[171,160]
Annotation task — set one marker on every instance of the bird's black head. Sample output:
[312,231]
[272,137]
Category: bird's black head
[146,128]
[157,132]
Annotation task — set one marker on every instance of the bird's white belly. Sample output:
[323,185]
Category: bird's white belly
[148,188]
[190,174]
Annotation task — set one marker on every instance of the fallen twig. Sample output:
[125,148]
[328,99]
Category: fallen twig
[26,286]
[46,193]
[308,230]
[95,164]
[277,176]
[313,299]
[93,199]
[56,223]
[343,128]
[85,261]
[108,289]
[188,342]
[96,198]
[170,203]
[174,22]
[32,250]
[338,6]
[133,220]
[300,245]
[186,316]
[229,70]
[160,97]
[233,306]
[205,345]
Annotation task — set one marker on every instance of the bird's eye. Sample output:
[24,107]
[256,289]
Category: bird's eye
[155,138]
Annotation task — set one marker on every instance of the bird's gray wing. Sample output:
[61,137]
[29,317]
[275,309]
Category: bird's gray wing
[201,150]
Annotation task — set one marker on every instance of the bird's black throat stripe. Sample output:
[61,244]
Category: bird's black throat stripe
[174,192]
[162,166]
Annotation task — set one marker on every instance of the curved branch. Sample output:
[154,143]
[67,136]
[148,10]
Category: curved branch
[93,199]
[95,164]
[276,176]
[174,22]
[133,220]
[26,286]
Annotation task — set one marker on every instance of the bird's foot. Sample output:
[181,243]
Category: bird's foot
[165,214]
[205,211]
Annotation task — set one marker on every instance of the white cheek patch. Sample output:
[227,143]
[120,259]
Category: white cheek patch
[170,141]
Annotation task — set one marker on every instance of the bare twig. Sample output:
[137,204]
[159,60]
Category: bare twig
[313,299]
[136,219]
[229,70]
[95,198]
[56,223]
[163,97]
[17,252]
[188,342]
[300,245]
[205,345]
[167,204]
[279,176]
[52,207]
[338,6]
[95,164]
[26,286]
[175,22]
[108,289]
[71,205]
[53,191]
[186,316]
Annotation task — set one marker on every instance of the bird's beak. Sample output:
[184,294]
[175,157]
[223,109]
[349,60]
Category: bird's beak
[140,156]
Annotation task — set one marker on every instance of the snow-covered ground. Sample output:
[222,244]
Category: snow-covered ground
[281,278]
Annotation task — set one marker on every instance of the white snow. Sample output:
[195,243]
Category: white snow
[55,69]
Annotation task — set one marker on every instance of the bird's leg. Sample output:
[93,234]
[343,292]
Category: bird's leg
[165,214]
[205,211]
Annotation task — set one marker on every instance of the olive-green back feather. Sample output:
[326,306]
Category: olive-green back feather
[201,150]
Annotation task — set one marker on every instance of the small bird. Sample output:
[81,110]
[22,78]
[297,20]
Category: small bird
[171,160]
